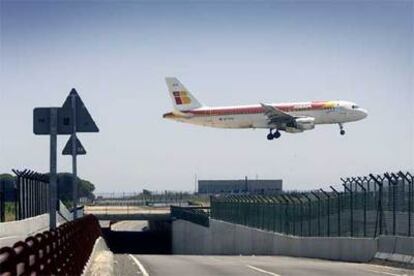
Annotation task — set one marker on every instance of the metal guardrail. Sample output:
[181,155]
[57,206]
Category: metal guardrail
[198,215]
[368,207]
[63,251]
[153,199]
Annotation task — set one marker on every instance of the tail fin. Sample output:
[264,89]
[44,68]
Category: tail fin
[181,97]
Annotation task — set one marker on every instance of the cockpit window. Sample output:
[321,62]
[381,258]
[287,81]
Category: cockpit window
[355,106]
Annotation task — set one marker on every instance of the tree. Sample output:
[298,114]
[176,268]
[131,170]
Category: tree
[64,181]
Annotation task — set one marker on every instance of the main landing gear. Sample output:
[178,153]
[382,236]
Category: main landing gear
[341,127]
[273,135]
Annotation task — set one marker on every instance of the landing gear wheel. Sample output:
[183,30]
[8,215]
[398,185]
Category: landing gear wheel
[270,136]
[276,134]
[341,127]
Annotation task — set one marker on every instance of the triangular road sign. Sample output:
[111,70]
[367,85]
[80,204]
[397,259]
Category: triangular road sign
[67,150]
[84,121]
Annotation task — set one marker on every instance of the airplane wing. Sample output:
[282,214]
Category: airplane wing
[276,116]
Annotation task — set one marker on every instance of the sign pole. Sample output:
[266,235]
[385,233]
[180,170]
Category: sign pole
[74,161]
[52,176]
[72,117]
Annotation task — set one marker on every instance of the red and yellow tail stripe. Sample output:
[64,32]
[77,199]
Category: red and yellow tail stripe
[181,97]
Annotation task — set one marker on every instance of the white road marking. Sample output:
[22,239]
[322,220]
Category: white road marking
[388,267]
[383,272]
[262,271]
[140,266]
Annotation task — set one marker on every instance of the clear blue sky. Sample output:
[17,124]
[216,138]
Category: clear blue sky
[116,54]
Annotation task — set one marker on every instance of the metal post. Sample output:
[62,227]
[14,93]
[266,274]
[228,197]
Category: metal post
[410,191]
[17,195]
[379,208]
[394,211]
[339,209]
[52,176]
[365,206]
[395,191]
[329,211]
[301,213]
[17,198]
[74,161]
[274,212]
[309,213]
[287,221]
[280,214]
[31,194]
[351,206]
[319,212]
[22,197]
[290,200]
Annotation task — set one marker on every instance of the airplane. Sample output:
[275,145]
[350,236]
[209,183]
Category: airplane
[289,117]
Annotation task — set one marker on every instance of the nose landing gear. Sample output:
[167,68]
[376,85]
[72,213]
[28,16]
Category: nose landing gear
[341,127]
[272,135]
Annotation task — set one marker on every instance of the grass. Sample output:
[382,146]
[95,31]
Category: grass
[10,211]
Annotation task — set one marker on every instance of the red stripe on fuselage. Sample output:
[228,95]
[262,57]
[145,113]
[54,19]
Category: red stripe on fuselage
[256,110]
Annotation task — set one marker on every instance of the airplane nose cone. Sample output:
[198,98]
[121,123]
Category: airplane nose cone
[363,113]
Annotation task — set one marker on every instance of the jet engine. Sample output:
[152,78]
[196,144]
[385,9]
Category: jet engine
[300,124]
[305,123]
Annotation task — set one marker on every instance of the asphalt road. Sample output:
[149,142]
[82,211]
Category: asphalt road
[171,265]
[136,225]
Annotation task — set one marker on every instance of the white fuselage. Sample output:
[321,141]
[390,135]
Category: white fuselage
[252,116]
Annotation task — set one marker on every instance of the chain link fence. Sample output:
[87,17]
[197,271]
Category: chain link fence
[367,207]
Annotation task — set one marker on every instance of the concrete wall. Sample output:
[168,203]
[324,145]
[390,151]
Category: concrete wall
[14,231]
[223,238]
[396,249]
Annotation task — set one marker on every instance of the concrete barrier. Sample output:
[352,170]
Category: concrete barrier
[101,261]
[396,249]
[14,231]
[223,238]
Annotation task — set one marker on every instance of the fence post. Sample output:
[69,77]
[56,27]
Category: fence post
[292,219]
[283,216]
[397,190]
[328,210]
[276,209]
[351,208]
[263,211]
[365,206]
[394,211]
[410,191]
[338,195]
[301,213]
[269,216]
[32,194]
[309,213]
[16,195]
[379,207]
[319,212]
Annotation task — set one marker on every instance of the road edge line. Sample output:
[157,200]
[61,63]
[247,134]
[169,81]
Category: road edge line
[140,266]
[262,270]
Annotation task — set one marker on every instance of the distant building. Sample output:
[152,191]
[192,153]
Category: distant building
[242,186]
